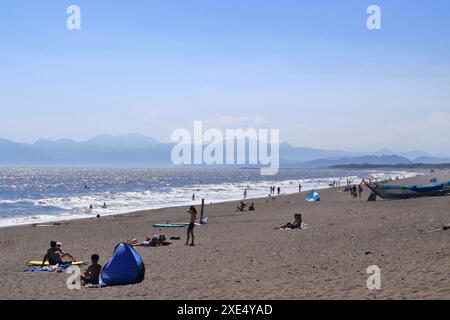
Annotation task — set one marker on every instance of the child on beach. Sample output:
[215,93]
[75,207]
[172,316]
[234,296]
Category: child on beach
[92,273]
[297,224]
[190,231]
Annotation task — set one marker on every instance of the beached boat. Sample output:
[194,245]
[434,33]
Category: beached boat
[386,191]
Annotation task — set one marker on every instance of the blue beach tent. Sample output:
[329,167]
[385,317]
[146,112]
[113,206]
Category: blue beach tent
[313,196]
[124,267]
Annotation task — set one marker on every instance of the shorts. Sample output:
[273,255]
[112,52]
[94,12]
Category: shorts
[191,226]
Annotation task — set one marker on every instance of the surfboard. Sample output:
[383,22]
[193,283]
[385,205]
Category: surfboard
[39,263]
[168,225]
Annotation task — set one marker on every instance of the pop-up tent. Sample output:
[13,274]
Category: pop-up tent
[313,196]
[124,267]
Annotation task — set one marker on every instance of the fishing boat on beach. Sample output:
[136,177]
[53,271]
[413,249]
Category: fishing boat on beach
[390,192]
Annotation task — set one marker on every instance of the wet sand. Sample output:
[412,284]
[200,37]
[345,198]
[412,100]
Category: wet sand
[242,256]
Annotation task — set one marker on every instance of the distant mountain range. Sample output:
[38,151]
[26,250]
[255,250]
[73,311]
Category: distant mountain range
[135,150]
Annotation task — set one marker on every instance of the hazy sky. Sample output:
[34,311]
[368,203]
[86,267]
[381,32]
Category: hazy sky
[310,68]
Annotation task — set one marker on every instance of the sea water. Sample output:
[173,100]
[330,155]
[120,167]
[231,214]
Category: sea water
[39,195]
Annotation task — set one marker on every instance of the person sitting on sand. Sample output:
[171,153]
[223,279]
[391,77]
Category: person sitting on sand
[92,273]
[53,255]
[65,255]
[252,207]
[297,224]
[190,230]
[241,207]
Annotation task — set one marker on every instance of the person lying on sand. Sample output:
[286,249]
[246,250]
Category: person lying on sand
[297,224]
[155,241]
[241,207]
[92,273]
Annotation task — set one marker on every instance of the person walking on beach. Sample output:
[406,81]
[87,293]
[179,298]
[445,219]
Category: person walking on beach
[190,231]
[245,193]
[299,187]
[360,190]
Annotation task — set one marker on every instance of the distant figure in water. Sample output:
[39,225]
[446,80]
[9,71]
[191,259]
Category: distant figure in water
[86,186]
[245,193]
[279,190]
[104,205]
[297,224]
[193,197]
[91,207]
[299,187]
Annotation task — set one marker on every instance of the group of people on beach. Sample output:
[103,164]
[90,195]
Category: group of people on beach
[277,189]
[161,240]
[243,207]
[57,256]
[356,192]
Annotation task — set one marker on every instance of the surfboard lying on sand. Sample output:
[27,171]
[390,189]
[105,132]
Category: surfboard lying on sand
[39,263]
[169,225]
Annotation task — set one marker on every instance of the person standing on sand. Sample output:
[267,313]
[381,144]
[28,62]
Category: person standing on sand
[299,187]
[190,230]
[360,190]
[279,190]
[245,193]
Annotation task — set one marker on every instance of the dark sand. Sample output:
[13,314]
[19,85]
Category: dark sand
[241,256]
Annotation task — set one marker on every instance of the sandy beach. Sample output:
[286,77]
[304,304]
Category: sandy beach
[242,256]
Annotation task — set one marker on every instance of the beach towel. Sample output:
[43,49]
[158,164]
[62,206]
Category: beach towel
[44,269]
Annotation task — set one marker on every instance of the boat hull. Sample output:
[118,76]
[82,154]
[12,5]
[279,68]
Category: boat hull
[391,192]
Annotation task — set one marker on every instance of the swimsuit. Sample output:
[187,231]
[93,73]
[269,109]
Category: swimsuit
[191,226]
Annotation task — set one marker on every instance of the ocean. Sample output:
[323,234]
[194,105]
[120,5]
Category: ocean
[40,195]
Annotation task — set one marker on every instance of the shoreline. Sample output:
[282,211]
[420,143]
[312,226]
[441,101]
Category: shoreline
[85,216]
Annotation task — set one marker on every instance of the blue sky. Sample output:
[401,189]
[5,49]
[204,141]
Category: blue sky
[310,68]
